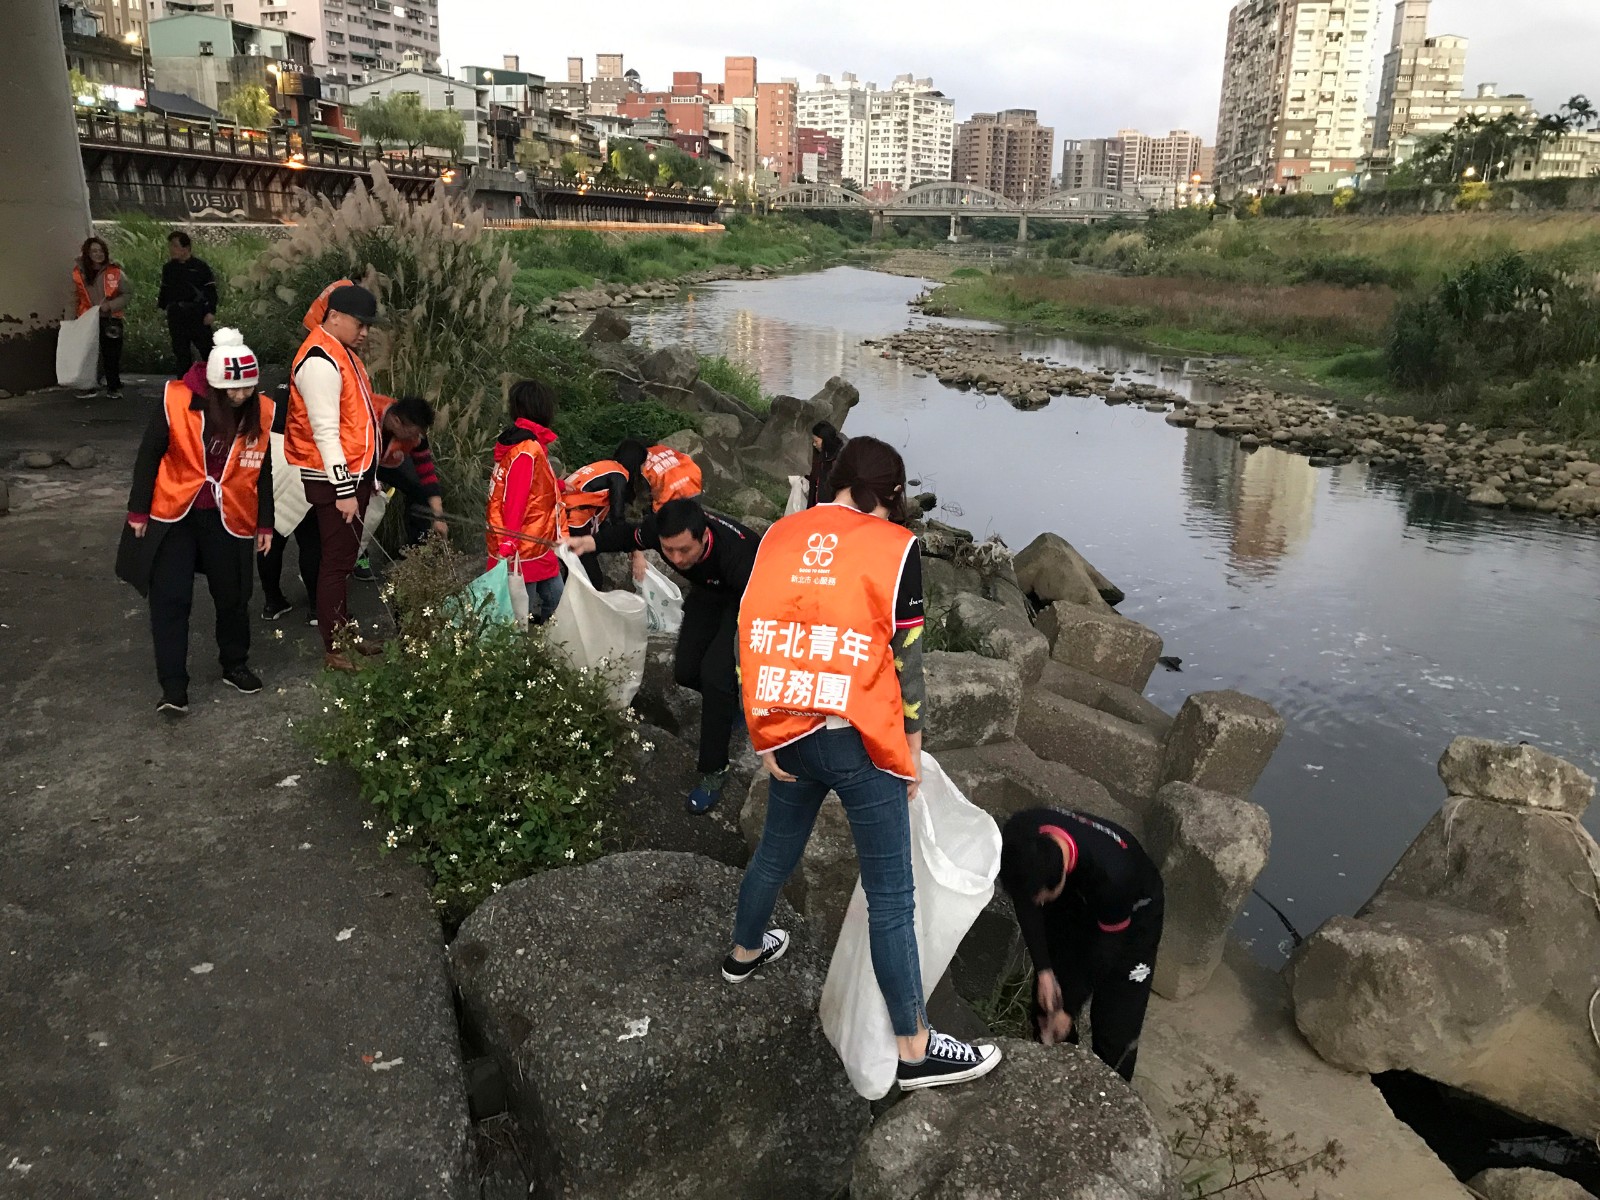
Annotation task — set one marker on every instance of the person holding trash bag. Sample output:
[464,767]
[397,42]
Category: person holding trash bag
[659,472]
[596,495]
[831,668]
[201,500]
[715,554]
[99,283]
[523,524]
[1089,902]
[826,442]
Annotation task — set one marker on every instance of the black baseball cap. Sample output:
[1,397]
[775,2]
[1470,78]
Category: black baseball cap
[355,301]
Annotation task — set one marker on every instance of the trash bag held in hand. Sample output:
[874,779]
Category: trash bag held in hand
[489,597]
[797,495]
[600,630]
[78,351]
[955,856]
[663,601]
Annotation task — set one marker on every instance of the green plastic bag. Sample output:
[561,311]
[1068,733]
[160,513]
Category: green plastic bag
[489,597]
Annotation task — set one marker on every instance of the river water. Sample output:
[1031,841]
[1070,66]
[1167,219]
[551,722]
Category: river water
[1380,617]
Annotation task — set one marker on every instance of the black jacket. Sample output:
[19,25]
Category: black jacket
[725,569]
[188,290]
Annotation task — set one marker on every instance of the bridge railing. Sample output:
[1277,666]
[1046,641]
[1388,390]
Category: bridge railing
[290,147]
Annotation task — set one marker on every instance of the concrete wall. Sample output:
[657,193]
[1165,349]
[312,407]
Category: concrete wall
[44,208]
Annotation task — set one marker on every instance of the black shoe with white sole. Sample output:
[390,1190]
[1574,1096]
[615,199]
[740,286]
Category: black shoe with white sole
[275,608]
[242,679]
[947,1061]
[774,945]
[173,704]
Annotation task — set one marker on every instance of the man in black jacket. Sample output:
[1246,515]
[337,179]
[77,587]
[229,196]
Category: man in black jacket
[189,297]
[715,555]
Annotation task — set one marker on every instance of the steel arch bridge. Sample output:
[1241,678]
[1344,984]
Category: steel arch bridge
[957,200]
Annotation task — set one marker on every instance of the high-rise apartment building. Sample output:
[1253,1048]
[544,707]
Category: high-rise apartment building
[840,110]
[1091,163]
[911,134]
[1007,152]
[820,155]
[129,22]
[1294,88]
[1420,92]
[611,87]
[1155,167]
[777,143]
[739,77]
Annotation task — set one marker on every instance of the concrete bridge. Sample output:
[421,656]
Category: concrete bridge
[958,200]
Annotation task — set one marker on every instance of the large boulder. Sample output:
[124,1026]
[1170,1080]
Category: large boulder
[1000,632]
[634,1069]
[972,700]
[1519,774]
[647,812]
[670,373]
[1123,756]
[720,470]
[1007,777]
[783,447]
[1525,1183]
[661,700]
[820,887]
[1105,695]
[1051,570]
[1210,849]
[837,397]
[1101,643]
[1047,1122]
[608,326]
[1221,741]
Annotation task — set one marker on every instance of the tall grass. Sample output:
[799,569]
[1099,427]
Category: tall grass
[736,380]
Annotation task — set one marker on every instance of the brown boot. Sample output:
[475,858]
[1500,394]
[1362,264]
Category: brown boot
[370,648]
[333,660]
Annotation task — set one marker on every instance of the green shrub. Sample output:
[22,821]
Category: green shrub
[591,434]
[1345,270]
[735,379]
[485,757]
[966,273]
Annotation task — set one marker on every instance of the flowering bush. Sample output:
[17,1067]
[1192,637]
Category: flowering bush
[485,756]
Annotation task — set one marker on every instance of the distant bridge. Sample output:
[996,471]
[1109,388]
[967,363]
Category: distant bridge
[957,200]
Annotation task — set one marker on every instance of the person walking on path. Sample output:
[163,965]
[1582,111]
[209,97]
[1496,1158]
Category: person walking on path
[660,472]
[1089,902]
[100,283]
[523,521]
[331,437]
[189,298]
[596,496]
[715,554]
[831,671]
[201,500]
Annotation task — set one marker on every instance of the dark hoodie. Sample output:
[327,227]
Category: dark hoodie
[531,491]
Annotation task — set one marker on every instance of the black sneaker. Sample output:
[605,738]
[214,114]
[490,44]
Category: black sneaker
[947,1061]
[273,609]
[242,679]
[174,704]
[363,570]
[774,945]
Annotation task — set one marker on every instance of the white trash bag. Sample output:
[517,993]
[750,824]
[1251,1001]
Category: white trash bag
[797,495]
[600,630]
[78,351]
[955,857]
[663,600]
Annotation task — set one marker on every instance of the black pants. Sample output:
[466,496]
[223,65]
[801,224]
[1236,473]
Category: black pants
[403,479]
[591,561]
[1114,968]
[308,539]
[199,544]
[708,653]
[191,340]
[111,353]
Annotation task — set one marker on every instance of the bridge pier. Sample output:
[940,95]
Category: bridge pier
[44,202]
[877,225]
[1022,228]
[955,227]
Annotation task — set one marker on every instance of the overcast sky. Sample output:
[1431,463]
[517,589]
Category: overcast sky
[1089,68]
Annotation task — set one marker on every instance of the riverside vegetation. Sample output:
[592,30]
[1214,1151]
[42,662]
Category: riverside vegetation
[1490,317]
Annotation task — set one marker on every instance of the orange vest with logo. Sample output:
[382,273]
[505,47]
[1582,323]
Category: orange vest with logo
[815,632]
[113,286]
[183,467]
[581,506]
[540,515]
[671,475]
[358,410]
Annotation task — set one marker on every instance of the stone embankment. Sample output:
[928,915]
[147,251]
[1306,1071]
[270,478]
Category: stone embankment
[1490,470]
[620,295]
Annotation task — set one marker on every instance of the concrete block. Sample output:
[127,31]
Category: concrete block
[1101,643]
[972,700]
[1221,741]
[1123,756]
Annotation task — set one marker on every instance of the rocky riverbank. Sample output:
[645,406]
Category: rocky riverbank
[620,295]
[1489,469]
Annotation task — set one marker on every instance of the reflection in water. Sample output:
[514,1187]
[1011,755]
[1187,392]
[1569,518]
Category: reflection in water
[1266,495]
[1381,618]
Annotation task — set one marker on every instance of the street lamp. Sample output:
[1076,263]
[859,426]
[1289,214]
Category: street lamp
[132,38]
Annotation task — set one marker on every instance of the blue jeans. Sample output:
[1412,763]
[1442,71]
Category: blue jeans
[875,803]
[543,598]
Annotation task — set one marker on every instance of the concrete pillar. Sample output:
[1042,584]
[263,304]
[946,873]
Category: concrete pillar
[44,202]
[955,227]
[877,224]
[1022,228]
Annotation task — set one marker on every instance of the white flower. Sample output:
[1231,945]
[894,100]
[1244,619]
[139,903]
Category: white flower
[403,742]
[391,840]
[324,708]
[495,886]
[381,755]
[628,779]
[278,633]
[455,858]
[366,824]
[648,746]
[572,854]
[410,829]
[338,701]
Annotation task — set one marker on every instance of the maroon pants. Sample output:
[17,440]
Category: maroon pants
[341,543]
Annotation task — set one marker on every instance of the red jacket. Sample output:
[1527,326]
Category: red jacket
[530,488]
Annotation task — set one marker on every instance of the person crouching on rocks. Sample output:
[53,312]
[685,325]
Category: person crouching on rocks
[523,522]
[831,671]
[1089,902]
[201,503]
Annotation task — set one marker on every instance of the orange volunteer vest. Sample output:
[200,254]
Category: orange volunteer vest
[183,467]
[671,475]
[113,286]
[815,630]
[581,507]
[541,515]
[358,410]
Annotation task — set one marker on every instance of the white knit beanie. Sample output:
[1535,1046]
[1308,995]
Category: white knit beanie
[232,364]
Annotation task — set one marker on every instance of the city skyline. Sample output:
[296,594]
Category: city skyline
[1072,67]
